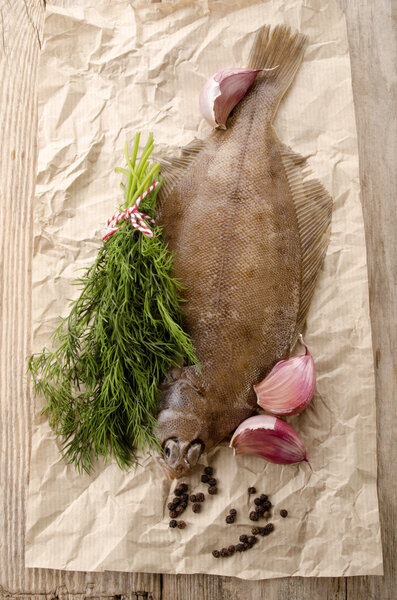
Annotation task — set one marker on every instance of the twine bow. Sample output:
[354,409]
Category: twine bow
[133,216]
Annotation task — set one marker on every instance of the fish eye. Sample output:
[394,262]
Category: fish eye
[171,449]
[194,452]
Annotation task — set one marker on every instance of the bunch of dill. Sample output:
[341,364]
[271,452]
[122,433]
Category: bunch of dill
[120,339]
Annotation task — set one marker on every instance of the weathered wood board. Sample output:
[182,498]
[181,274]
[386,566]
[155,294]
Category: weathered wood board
[372,38]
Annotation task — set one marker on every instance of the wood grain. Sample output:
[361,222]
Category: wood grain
[21,26]
[372,44]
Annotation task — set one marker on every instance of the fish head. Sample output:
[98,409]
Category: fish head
[180,429]
[180,456]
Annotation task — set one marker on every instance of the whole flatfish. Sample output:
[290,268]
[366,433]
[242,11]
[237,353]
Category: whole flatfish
[248,228]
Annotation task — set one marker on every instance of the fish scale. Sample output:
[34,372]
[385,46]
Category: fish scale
[248,228]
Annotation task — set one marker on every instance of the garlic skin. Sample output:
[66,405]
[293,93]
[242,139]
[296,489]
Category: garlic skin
[221,92]
[290,385]
[269,437]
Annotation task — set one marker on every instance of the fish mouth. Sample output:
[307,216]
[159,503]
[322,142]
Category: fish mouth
[171,472]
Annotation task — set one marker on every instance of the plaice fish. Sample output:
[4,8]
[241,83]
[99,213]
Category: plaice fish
[248,228]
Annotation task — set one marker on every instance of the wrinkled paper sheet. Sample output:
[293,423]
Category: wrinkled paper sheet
[108,70]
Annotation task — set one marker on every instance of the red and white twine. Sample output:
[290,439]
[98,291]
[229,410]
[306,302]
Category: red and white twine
[131,215]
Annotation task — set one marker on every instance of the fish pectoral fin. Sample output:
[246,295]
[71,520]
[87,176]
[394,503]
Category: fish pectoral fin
[279,53]
[174,168]
[313,206]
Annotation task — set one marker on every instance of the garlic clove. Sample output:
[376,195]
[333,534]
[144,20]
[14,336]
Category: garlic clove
[269,437]
[221,92]
[290,385]
[209,93]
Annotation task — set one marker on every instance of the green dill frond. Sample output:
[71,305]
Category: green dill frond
[122,336]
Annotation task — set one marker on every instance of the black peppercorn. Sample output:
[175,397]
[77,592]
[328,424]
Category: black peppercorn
[262,531]
[173,523]
[240,547]
[171,506]
[173,514]
[216,553]
[224,552]
[263,497]
[208,471]
[267,505]
[183,505]
[181,524]
[257,501]
[204,478]
[252,539]
[212,481]
[284,513]
[269,528]
[253,516]
[183,487]
[252,490]
[212,490]
[200,497]
[260,510]
[247,546]
[243,538]
[178,492]
[231,549]
[196,508]
[177,500]
[229,519]
[233,512]
[185,497]
[255,530]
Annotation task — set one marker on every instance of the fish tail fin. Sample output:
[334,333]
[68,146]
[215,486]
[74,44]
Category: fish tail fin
[279,53]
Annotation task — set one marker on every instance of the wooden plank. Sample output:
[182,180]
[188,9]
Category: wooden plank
[370,37]
[209,587]
[373,43]
[21,25]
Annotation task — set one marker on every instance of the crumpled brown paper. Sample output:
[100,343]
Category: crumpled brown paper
[106,72]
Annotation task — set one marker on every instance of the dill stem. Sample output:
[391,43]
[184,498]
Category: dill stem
[144,161]
[135,149]
[120,170]
[146,182]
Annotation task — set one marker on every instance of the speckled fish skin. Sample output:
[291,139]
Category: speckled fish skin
[231,221]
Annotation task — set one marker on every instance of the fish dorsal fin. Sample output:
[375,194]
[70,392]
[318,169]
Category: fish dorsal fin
[313,207]
[174,168]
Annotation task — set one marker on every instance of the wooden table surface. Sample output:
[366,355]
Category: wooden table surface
[373,46]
